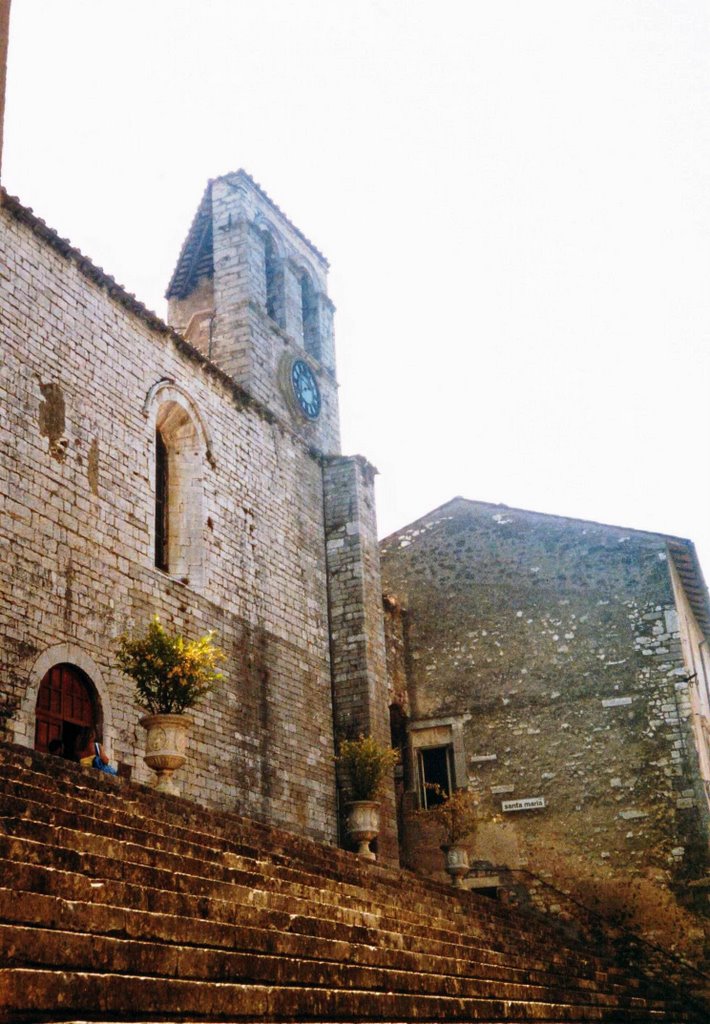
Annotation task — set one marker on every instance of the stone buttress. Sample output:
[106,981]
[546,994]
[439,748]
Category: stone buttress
[356,623]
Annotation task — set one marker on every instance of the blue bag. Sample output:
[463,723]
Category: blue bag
[98,763]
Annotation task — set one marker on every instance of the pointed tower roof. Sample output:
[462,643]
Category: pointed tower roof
[195,259]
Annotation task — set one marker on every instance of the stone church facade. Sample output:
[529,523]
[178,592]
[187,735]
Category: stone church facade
[559,667]
[192,469]
[194,473]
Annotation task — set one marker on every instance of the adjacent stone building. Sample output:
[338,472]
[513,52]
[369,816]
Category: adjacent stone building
[561,667]
[191,471]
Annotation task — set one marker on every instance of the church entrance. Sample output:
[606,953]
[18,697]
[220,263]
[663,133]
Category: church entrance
[66,703]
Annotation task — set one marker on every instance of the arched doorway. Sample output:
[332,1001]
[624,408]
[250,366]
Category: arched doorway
[66,703]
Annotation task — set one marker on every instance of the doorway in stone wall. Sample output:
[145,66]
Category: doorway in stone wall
[66,702]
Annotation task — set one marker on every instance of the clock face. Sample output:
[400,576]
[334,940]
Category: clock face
[305,388]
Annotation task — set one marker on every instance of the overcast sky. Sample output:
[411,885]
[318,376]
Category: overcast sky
[513,197]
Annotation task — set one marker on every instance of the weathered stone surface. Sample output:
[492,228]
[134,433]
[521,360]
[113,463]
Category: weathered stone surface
[86,375]
[556,646]
[108,914]
[358,659]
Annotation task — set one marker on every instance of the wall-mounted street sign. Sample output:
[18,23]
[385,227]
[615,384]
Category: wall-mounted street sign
[529,803]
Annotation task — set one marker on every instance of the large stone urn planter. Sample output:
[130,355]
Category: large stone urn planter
[363,824]
[165,746]
[457,863]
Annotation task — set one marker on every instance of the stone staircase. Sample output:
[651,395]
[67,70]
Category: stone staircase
[120,904]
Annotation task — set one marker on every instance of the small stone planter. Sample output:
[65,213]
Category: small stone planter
[165,747]
[457,863]
[363,824]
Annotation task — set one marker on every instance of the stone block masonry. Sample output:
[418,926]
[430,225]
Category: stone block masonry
[267,926]
[85,372]
[230,314]
[360,686]
[556,644]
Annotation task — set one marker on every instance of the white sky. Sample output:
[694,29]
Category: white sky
[513,197]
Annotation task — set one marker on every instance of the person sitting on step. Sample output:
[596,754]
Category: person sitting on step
[90,753]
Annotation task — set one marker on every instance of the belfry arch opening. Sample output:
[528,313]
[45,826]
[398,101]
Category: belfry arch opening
[178,493]
[67,702]
[309,318]
[273,281]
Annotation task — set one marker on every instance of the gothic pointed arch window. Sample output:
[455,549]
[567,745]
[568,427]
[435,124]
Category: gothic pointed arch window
[178,493]
[162,518]
[309,317]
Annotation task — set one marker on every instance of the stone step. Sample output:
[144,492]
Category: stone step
[517,936]
[270,865]
[82,853]
[52,912]
[263,866]
[24,818]
[85,843]
[26,993]
[135,911]
[33,803]
[108,879]
[264,869]
[325,863]
[427,896]
[82,835]
[313,917]
[68,950]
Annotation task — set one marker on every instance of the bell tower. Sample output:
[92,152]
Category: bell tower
[250,292]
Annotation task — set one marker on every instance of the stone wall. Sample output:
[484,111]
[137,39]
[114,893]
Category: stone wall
[553,646]
[80,381]
[360,687]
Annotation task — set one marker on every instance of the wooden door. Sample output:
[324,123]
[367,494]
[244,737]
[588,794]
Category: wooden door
[64,704]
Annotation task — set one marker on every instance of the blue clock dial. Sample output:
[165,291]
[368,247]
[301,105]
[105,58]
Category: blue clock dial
[305,388]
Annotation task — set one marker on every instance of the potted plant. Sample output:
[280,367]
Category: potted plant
[171,674]
[456,815]
[366,765]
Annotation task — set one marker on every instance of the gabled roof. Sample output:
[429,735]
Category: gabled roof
[680,550]
[195,259]
[687,565]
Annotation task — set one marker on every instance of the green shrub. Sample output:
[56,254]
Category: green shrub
[366,765]
[171,673]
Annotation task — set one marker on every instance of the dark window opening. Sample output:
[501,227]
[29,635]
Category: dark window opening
[309,315]
[274,284]
[490,891]
[435,775]
[161,502]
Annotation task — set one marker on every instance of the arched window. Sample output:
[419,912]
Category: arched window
[162,522]
[66,703]
[178,493]
[309,318]
[273,275]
